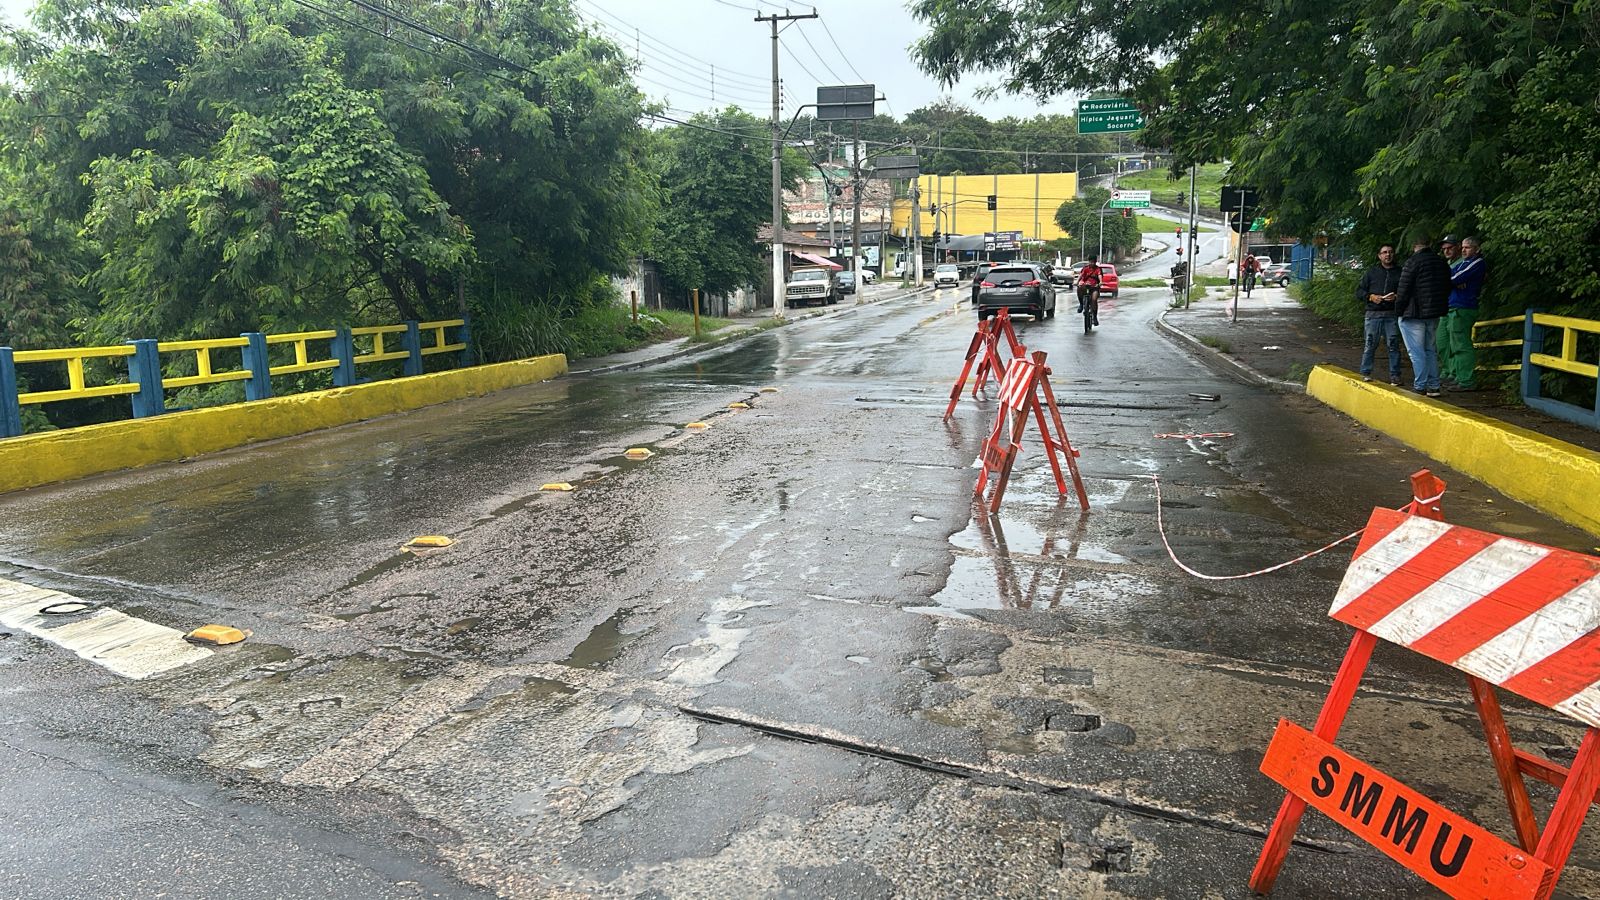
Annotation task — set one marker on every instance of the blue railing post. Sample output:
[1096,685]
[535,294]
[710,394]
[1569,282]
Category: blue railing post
[413,344]
[1532,342]
[10,410]
[259,385]
[464,336]
[344,350]
[144,367]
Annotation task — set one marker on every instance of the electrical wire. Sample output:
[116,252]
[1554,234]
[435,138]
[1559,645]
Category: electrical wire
[796,60]
[847,62]
[807,39]
[660,64]
[668,48]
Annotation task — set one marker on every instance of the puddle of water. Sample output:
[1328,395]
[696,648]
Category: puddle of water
[697,663]
[605,643]
[463,625]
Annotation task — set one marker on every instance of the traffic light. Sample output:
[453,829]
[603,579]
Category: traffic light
[936,237]
[1177,232]
[993,201]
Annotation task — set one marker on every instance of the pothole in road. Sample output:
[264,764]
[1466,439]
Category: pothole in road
[605,643]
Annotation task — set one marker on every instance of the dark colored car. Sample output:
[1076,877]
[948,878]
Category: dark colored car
[977,278]
[847,282]
[1277,273]
[1018,287]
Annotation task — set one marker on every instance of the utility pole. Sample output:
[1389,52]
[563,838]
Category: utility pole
[777,162]
[1194,247]
[916,230]
[855,216]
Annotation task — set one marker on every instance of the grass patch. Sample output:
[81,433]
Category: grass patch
[1142,282]
[1216,343]
[1153,225]
[1299,372]
[1211,281]
[1208,185]
[676,323]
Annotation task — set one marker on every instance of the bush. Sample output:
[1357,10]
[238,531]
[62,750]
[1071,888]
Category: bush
[1332,296]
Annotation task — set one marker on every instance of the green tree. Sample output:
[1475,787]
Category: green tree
[1080,217]
[715,193]
[1374,119]
[200,167]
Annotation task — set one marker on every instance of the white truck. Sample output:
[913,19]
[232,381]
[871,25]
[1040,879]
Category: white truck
[811,285]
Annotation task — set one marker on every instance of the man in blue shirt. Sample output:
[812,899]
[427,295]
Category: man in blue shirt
[1460,362]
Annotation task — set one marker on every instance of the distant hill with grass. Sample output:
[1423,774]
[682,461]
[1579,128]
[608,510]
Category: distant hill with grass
[1164,191]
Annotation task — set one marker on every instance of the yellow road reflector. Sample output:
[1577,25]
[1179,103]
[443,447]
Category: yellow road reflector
[738,405]
[216,634]
[428,542]
[638,453]
[556,486]
[697,426]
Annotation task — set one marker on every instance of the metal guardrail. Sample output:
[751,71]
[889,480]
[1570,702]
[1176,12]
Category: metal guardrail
[1537,327]
[146,384]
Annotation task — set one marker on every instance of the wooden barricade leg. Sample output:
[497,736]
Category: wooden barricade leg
[1561,831]
[973,350]
[1334,709]
[1063,442]
[1505,762]
[1051,445]
[1018,419]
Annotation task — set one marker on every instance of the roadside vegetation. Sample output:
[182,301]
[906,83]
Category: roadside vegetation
[1464,118]
[1170,188]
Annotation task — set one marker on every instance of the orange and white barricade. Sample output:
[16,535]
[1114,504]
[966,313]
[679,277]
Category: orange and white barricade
[984,353]
[1507,614]
[1025,389]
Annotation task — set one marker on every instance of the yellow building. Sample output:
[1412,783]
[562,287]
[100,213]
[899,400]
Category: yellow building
[1025,203]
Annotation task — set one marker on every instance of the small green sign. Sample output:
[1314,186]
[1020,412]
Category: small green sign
[1258,224]
[1111,115]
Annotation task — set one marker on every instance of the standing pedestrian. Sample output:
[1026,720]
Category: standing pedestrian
[1450,249]
[1466,285]
[1376,292]
[1421,299]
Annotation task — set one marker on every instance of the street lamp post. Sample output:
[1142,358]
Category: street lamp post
[1103,228]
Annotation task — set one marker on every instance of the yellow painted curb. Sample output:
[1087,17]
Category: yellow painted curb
[1559,478]
[52,456]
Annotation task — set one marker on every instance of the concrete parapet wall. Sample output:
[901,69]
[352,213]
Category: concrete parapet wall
[53,456]
[1554,476]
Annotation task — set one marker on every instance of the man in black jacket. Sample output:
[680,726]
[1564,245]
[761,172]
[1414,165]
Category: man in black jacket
[1421,299]
[1376,292]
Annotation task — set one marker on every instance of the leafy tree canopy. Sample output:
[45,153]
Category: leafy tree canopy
[1380,120]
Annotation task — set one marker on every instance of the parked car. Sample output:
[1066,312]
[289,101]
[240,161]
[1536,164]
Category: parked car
[1108,280]
[1018,287]
[847,282]
[946,275]
[1276,273]
[1063,274]
[868,276]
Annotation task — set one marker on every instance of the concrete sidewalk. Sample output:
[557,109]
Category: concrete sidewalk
[1551,464]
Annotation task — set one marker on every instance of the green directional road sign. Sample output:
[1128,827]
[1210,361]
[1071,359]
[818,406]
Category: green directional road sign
[1124,199]
[1109,116]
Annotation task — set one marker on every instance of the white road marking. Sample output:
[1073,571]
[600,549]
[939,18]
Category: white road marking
[128,646]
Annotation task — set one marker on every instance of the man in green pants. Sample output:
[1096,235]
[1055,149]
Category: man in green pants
[1466,285]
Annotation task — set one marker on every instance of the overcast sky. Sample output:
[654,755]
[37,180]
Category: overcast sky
[679,42]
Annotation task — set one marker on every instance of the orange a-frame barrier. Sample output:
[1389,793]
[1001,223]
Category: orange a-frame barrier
[1025,389]
[1506,613]
[984,352]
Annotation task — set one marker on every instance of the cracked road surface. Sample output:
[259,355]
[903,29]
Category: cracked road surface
[780,656]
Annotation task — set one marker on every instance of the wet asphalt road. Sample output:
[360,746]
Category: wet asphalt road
[779,657]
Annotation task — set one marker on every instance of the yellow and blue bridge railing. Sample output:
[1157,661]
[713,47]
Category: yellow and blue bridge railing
[1549,343]
[334,349]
